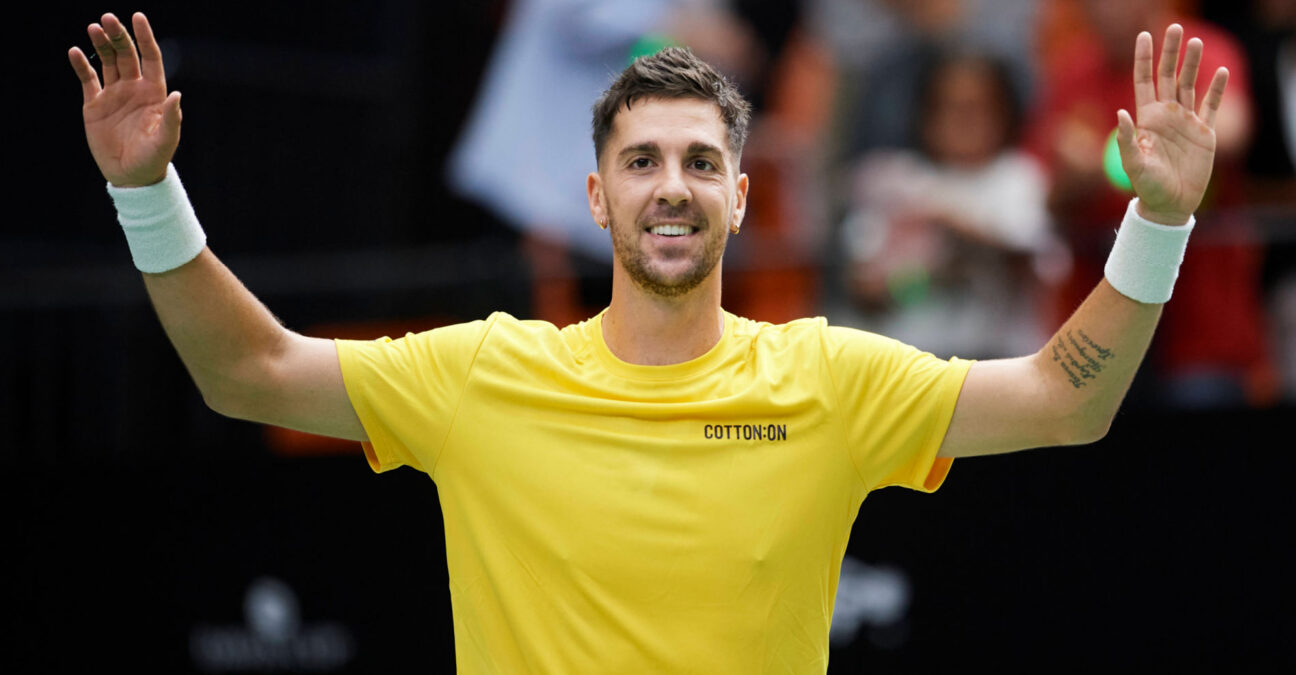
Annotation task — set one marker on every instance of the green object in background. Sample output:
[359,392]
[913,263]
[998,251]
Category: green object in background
[1112,165]
[648,45]
[909,285]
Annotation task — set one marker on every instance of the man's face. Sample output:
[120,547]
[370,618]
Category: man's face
[670,191]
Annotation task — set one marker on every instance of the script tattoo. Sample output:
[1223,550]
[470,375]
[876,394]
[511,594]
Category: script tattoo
[1079,356]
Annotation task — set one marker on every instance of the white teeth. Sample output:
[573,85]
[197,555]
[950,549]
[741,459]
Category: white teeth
[671,230]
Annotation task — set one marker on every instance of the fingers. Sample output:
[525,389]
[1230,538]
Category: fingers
[1169,63]
[150,52]
[1188,74]
[1144,87]
[86,73]
[107,55]
[128,66]
[1211,104]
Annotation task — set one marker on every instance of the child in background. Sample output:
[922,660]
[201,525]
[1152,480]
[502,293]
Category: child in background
[950,244]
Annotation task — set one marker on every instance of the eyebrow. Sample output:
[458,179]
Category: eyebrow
[700,148]
[651,148]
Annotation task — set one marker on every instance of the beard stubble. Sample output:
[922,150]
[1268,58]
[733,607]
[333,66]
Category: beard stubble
[638,263]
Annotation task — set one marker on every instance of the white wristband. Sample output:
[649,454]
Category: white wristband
[1144,262]
[160,225]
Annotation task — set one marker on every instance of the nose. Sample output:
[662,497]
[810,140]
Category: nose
[673,189]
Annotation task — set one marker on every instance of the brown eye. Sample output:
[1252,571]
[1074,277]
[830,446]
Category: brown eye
[703,165]
[640,163]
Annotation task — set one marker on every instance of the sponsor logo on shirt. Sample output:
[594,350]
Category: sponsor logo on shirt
[745,432]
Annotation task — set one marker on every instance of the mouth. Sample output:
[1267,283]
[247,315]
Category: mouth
[671,229]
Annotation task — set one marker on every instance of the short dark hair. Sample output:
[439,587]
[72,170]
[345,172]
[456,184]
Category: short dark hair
[671,73]
[1002,79]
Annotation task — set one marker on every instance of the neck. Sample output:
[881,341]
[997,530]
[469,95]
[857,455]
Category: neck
[651,330]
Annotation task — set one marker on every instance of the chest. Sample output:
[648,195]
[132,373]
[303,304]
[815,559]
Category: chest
[639,493]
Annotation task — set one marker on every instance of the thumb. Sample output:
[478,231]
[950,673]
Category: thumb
[171,117]
[1125,140]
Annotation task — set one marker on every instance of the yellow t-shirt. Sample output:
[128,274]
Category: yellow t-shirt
[607,517]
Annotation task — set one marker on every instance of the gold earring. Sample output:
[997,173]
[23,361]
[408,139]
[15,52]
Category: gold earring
[602,223]
[733,229]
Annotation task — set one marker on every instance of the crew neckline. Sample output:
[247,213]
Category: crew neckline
[695,366]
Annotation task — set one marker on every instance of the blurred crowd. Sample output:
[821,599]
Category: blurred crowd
[940,171]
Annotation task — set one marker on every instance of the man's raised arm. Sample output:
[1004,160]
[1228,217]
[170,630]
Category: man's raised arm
[1069,391]
[245,363]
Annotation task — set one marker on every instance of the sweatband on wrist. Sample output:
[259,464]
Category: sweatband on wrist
[161,228]
[1144,262]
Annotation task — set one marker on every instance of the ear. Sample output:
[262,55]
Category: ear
[740,204]
[597,203]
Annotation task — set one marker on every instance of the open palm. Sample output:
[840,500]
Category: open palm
[1169,154]
[131,124]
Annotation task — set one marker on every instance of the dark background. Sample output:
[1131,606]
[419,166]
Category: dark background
[314,136]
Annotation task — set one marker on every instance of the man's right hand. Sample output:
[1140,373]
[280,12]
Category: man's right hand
[132,125]
[246,364]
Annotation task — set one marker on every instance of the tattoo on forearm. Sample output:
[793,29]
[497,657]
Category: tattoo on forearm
[1103,354]
[1079,357]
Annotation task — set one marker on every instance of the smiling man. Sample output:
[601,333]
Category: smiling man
[677,184]
[665,487]
[667,137]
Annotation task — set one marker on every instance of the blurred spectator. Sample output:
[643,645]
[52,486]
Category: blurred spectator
[949,244]
[1268,32]
[1211,346]
[773,271]
[883,46]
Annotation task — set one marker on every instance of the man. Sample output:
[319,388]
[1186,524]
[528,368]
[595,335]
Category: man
[664,487]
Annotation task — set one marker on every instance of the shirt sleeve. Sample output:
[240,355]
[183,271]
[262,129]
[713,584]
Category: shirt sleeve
[897,403]
[406,391]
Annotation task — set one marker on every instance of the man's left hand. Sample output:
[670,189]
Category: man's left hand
[1169,155]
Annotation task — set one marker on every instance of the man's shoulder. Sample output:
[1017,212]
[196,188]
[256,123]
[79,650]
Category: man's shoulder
[496,330]
[501,329]
[742,326]
[762,335]
[811,329]
[504,321]
[848,355]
